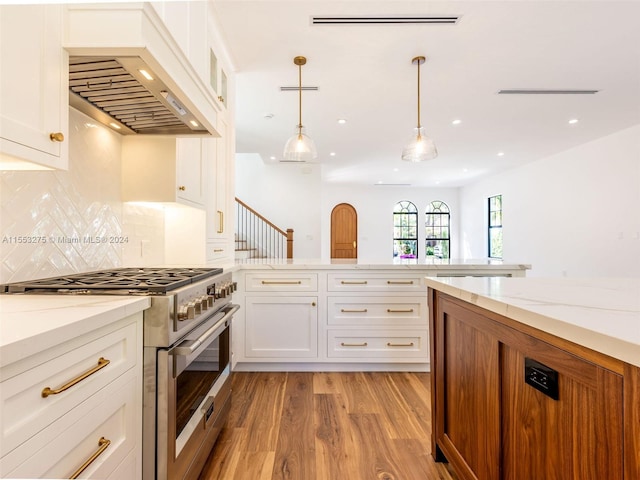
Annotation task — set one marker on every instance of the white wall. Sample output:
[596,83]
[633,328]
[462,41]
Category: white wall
[374,205]
[576,213]
[287,194]
[293,196]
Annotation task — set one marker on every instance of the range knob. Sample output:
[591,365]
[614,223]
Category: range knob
[210,300]
[191,310]
[204,303]
[182,313]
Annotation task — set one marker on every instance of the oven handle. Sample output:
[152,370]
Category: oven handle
[193,346]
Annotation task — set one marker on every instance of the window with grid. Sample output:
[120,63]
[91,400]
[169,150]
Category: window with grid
[437,231]
[495,226]
[405,230]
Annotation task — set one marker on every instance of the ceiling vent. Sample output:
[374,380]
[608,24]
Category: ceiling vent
[387,20]
[537,91]
[295,89]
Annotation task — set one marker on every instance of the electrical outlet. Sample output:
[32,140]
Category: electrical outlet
[541,377]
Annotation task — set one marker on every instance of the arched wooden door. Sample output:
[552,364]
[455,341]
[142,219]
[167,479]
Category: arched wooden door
[344,231]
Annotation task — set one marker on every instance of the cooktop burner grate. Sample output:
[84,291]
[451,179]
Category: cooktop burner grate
[152,280]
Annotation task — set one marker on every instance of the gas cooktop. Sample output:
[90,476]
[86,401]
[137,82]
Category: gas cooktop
[131,280]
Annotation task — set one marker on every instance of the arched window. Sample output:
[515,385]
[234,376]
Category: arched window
[437,231]
[405,230]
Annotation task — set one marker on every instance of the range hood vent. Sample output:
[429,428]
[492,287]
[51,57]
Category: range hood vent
[387,20]
[116,92]
[538,91]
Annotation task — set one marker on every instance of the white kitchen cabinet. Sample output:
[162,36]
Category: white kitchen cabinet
[51,434]
[283,328]
[33,88]
[220,204]
[163,169]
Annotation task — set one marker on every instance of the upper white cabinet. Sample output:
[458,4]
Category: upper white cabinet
[163,169]
[33,88]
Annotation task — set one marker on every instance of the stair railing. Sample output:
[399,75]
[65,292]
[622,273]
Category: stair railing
[260,236]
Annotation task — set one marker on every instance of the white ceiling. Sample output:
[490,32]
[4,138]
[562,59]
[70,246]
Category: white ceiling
[364,75]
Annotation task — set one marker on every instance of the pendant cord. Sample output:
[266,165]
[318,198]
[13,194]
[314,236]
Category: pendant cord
[300,99]
[419,94]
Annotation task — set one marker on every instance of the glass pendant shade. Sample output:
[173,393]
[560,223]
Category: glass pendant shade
[419,148]
[300,147]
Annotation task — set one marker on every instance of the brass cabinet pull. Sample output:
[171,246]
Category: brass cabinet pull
[313,304]
[218,250]
[399,282]
[268,282]
[103,444]
[389,310]
[102,362]
[220,221]
[363,344]
[354,244]
[346,310]
[359,282]
[182,188]
[389,344]
[56,137]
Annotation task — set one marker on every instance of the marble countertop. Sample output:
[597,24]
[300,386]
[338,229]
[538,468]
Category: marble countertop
[32,323]
[602,314]
[383,264]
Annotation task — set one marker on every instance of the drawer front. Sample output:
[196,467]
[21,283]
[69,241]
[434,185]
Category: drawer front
[377,345]
[24,409]
[358,282]
[62,448]
[281,282]
[377,311]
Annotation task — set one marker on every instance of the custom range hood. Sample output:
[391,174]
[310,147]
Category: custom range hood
[128,71]
[126,95]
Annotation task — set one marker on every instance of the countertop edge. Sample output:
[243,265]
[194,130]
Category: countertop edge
[612,346]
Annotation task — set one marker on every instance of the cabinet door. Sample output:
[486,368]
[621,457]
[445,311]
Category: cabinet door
[468,392]
[281,327]
[222,159]
[577,435]
[33,85]
[190,170]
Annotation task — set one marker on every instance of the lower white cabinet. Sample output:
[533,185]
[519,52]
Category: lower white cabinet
[281,327]
[76,408]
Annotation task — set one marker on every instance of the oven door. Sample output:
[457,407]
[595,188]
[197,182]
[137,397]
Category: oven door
[199,391]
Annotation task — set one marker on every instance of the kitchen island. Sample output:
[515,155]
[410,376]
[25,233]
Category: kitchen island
[341,314]
[536,378]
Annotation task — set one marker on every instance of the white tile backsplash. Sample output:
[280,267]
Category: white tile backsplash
[70,221]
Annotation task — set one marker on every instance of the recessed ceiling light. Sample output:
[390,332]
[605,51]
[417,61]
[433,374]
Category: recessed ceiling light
[465,170]
[501,154]
[272,157]
[396,169]
[342,121]
[573,121]
[115,125]
[457,121]
[146,74]
[194,123]
[437,182]
[332,154]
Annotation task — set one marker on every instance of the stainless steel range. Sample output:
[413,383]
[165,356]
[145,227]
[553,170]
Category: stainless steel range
[187,358]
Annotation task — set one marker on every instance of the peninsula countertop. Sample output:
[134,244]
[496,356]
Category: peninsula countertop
[434,266]
[602,314]
[32,323]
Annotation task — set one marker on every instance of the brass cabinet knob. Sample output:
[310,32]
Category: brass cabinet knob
[56,137]
[182,188]
[221,98]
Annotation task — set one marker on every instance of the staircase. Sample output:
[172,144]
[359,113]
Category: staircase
[257,237]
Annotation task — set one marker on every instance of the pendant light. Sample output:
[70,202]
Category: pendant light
[419,147]
[300,148]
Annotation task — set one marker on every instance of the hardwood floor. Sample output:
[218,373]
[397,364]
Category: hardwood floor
[327,426]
